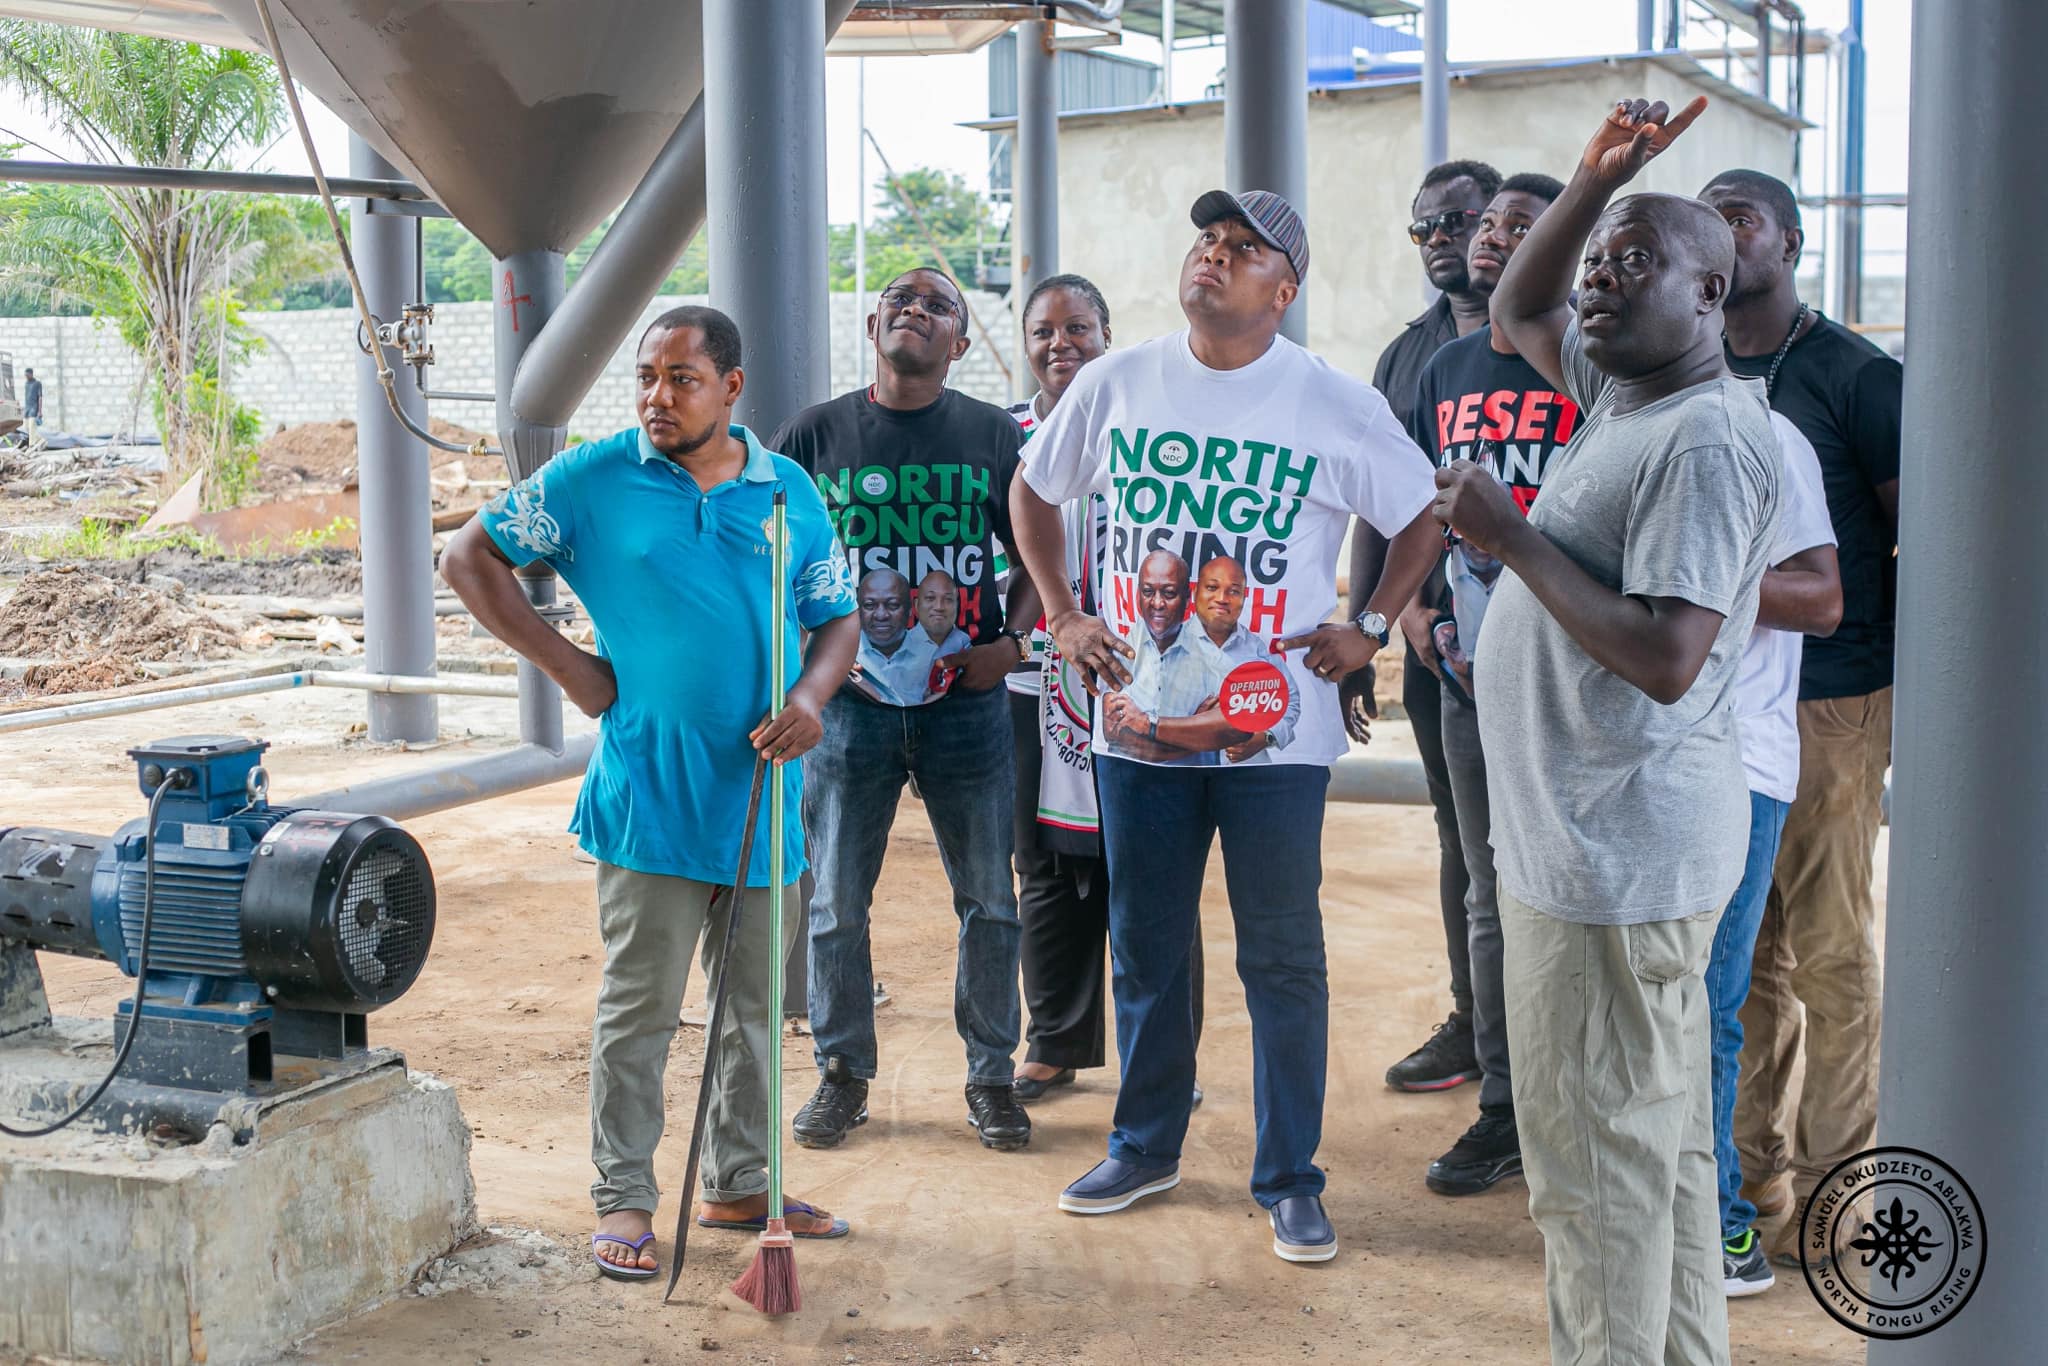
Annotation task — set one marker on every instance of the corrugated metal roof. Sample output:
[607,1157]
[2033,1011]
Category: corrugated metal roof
[1204,18]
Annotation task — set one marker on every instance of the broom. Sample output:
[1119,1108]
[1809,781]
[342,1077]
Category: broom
[713,1026]
[770,1283]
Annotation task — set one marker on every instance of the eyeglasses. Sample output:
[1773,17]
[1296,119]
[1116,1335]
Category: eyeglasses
[938,305]
[1450,222]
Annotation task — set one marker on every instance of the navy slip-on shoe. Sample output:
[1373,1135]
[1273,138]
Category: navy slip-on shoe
[1301,1231]
[1112,1185]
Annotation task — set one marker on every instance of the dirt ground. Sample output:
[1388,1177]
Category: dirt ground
[958,1254]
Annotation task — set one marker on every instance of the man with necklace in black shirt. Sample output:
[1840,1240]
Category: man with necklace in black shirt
[1479,400]
[1447,210]
[1817,945]
[916,478]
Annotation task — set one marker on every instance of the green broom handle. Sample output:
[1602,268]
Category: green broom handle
[777,626]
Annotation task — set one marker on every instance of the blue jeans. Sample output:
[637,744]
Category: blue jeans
[960,751]
[1727,988]
[1157,826]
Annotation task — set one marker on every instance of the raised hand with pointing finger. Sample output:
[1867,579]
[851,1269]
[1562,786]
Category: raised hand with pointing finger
[1633,133]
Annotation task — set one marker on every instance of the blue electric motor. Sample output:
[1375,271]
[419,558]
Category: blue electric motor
[273,931]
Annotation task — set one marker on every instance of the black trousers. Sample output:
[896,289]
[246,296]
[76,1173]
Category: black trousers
[1063,902]
[1422,697]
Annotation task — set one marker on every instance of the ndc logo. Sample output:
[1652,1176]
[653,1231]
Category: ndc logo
[1892,1243]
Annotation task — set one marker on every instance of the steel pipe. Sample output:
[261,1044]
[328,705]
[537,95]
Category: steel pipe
[1390,782]
[472,780]
[187,178]
[1265,112]
[393,684]
[1035,176]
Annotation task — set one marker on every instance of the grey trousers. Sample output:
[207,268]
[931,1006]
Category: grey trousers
[651,925]
[1615,1109]
[1466,762]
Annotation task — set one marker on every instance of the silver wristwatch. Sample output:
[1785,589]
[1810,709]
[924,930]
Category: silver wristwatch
[1373,625]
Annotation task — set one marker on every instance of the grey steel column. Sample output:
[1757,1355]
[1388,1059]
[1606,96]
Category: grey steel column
[1849,234]
[1265,112]
[1035,169]
[395,510]
[1436,84]
[1646,25]
[764,130]
[1966,943]
[527,289]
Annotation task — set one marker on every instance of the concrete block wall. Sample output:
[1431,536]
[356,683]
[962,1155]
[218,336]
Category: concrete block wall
[304,371]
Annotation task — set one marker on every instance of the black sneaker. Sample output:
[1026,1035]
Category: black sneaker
[1445,1061]
[1491,1149]
[840,1103]
[994,1110]
[1744,1268]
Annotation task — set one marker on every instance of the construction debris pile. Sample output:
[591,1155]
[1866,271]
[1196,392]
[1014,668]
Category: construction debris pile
[73,614]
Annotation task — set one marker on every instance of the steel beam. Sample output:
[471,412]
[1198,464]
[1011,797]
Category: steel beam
[1035,171]
[764,127]
[473,780]
[1966,944]
[388,188]
[1265,111]
[397,508]
[1436,85]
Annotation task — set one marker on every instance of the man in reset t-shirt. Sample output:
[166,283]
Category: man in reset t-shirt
[917,479]
[1817,946]
[1478,400]
[1606,677]
[1222,441]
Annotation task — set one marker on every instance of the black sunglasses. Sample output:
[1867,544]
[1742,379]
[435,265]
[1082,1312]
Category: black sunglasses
[1450,222]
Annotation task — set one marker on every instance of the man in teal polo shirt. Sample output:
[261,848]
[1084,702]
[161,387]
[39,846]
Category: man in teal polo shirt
[663,533]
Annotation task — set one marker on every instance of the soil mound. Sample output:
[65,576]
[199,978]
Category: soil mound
[73,615]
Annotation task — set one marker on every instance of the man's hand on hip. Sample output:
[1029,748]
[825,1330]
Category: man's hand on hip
[591,684]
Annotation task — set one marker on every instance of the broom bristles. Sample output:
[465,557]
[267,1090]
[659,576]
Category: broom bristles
[770,1283]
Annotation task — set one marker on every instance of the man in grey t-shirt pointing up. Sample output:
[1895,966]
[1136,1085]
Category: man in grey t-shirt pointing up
[1606,678]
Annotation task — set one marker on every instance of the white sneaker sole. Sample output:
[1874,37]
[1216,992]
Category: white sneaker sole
[1080,1204]
[1299,1252]
[1736,1289]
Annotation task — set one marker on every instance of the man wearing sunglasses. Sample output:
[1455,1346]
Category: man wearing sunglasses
[1446,215]
[917,477]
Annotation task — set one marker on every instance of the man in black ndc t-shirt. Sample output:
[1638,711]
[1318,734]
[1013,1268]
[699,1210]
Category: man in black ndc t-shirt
[1447,209]
[1817,945]
[916,477]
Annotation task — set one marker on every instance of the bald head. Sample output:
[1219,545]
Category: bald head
[1691,232]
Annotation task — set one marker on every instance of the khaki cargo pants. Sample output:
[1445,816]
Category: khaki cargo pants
[651,924]
[1817,947]
[1608,1026]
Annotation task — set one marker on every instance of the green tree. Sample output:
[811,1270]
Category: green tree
[161,264]
[958,220]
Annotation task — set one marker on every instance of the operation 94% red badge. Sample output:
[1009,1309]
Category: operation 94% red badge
[1253,697]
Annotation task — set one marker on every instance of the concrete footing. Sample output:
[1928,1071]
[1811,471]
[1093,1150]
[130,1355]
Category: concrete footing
[119,1247]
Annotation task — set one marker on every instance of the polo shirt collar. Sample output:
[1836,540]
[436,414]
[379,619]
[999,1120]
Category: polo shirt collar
[760,466]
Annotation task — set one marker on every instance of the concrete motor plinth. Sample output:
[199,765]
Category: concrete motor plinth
[119,1247]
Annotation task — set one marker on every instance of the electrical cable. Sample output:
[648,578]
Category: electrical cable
[371,346]
[178,778]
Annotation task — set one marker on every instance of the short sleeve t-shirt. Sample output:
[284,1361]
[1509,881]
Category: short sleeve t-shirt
[677,583]
[1767,684]
[1610,808]
[1844,395]
[918,498]
[1250,473]
[1474,403]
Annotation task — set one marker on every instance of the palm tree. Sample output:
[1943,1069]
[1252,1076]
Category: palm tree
[160,263]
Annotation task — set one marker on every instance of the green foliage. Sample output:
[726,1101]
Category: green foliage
[958,219]
[97,538]
[314,539]
[163,266]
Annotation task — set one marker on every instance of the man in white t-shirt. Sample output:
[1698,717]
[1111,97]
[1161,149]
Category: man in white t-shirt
[1801,594]
[1224,440]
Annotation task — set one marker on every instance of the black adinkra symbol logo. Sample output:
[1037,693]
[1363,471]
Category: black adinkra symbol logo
[1896,1237]
[1892,1243]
